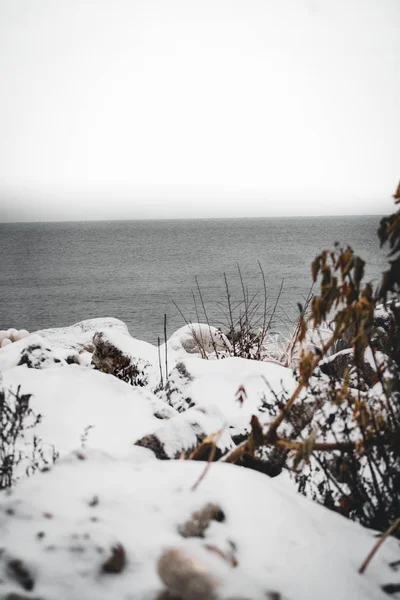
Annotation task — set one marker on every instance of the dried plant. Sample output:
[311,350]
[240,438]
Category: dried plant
[346,452]
[16,417]
[246,327]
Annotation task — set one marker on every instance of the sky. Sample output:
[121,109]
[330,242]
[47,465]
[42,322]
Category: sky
[198,108]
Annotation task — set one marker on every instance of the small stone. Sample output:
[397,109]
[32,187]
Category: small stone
[166,595]
[116,562]
[21,574]
[200,520]
[185,577]
[15,596]
[77,549]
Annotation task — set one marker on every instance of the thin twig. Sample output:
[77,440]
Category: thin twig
[159,362]
[166,350]
[285,444]
[214,438]
[206,316]
[264,329]
[275,305]
[180,312]
[245,299]
[232,328]
[378,544]
[198,339]
[192,329]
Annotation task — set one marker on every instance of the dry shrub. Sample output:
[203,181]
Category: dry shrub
[346,452]
[16,417]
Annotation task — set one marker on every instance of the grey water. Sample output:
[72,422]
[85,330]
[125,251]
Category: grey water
[55,274]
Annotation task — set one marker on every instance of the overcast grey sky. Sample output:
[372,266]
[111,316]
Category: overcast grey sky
[179,108]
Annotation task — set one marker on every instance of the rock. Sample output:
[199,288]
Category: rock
[128,359]
[184,432]
[116,562]
[336,366]
[199,339]
[16,596]
[174,392]
[200,520]
[12,335]
[22,333]
[384,317]
[151,442]
[80,335]
[21,573]
[166,595]
[186,577]
[35,356]
[32,351]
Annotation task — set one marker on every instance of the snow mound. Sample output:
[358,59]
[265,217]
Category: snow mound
[209,385]
[186,431]
[32,351]
[81,334]
[96,528]
[114,350]
[11,335]
[75,400]
[198,339]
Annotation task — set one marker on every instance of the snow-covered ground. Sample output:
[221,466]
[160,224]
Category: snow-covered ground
[110,520]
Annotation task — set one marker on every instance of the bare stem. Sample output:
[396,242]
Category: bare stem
[378,544]
[166,349]
[159,362]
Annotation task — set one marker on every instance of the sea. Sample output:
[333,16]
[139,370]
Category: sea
[56,274]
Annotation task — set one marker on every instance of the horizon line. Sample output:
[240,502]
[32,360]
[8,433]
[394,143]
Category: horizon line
[314,216]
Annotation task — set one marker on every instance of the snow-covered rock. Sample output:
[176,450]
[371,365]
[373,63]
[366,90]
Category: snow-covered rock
[198,339]
[184,432]
[32,351]
[337,364]
[120,354]
[206,385]
[11,335]
[97,528]
[81,334]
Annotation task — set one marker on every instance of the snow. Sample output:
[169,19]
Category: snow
[12,335]
[216,383]
[11,354]
[104,490]
[72,398]
[183,431]
[131,346]
[198,339]
[84,506]
[81,333]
